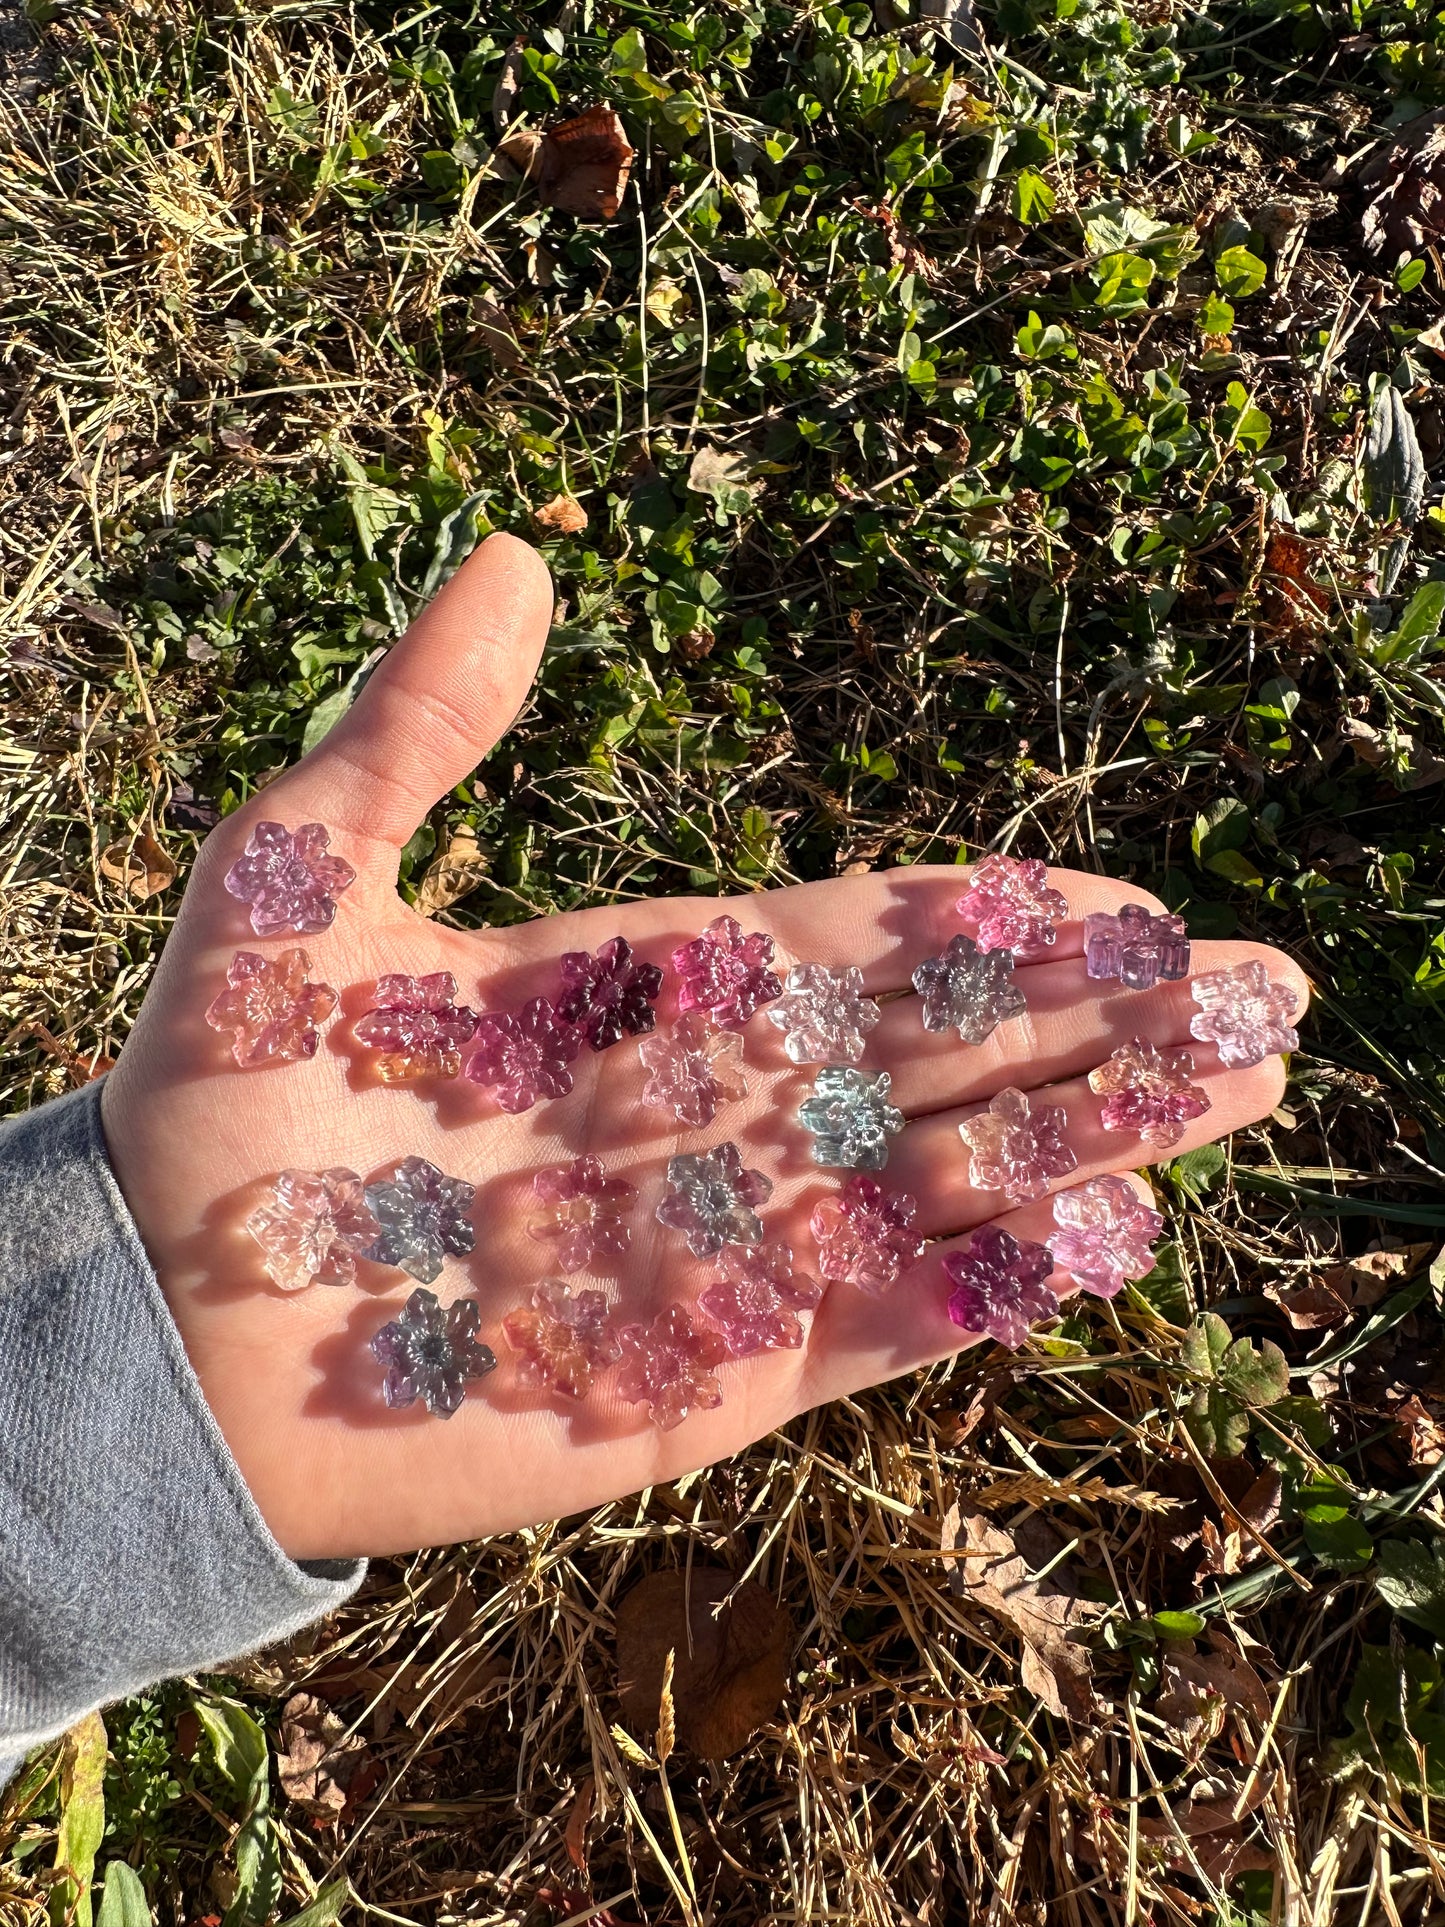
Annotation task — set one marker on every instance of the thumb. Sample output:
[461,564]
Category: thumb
[433,708]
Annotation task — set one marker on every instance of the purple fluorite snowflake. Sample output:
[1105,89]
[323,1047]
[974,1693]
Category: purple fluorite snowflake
[608,995]
[587,1212]
[694,1069]
[1149,1092]
[271,1008]
[563,1338]
[314,1227]
[757,1300]
[727,973]
[431,1354]
[668,1366]
[712,1198]
[823,1014]
[1104,1234]
[1244,1014]
[1137,947]
[866,1235]
[524,1055]
[424,1215]
[417,1027]
[288,879]
[1010,903]
[1000,1285]
[968,990]
[1016,1149]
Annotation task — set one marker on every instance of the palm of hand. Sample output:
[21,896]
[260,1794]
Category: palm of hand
[195,1140]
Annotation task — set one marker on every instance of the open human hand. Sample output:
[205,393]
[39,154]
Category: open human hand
[195,1140]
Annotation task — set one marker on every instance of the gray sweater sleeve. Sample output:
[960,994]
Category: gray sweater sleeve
[130,1548]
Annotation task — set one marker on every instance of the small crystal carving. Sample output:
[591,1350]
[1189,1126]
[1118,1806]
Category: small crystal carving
[1244,1014]
[712,1199]
[756,1301]
[288,880]
[1000,1285]
[424,1215]
[1149,1092]
[271,1008]
[866,1236]
[850,1118]
[524,1055]
[609,995]
[587,1213]
[1104,1234]
[1137,947]
[314,1227]
[563,1338]
[417,1027]
[695,1069]
[1016,1149]
[823,1014]
[668,1366]
[431,1354]
[968,990]
[727,973]
[1011,905]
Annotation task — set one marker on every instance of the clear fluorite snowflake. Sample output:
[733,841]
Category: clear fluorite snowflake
[1137,947]
[288,880]
[866,1236]
[1104,1234]
[1011,905]
[432,1354]
[1000,1285]
[424,1216]
[670,1367]
[563,1338]
[1244,1014]
[850,1118]
[1149,1092]
[713,1199]
[968,990]
[1016,1149]
[823,1014]
[314,1227]
[726,972]
[756,1301]
[271,1008]
[608,996]
[586,1215]
[694,1069]
[525,1055]
[417,1027]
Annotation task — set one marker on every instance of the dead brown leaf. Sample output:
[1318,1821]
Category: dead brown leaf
[139,865]
[1202,1693]
[563,515]
[581,167]
[1364,1280]
[1404,179]
[318,1759]
[452,874]
[1424,1430]
[1309,1307]
[1042,1613]
[730,1669]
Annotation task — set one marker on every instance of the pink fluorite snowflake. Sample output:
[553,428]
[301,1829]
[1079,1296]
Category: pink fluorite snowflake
[417,1027]
[757,1300]
[587,1211]
[1104,1234]
[314,1227]
[1137,947]
[1011,904]
[1016,1149]
[524,1055]
[563,1338]
[1244,1014]
[1149,1092]
[288,879]
[1000,1285]
[866,1236]
[609,995]
[271,1007]
[727,973]
[695,1069]
[668,1366]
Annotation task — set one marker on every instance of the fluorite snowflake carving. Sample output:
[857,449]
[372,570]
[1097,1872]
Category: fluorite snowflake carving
[1011,905]
[271,1008]
[695,1069]
[524,1055]
[586,1216]
[1149,1092]
[1016,1149]
[424,1215]
[668,1366]
[1244,1014]
[727,973]
[866,1236]
[1137,947]
[1000,1285]
[1104,1234]
[713,1200]
[563,1338]
[288,879]
[609,995]
[757,1299]
[968,990]
[417,1027]
[431,1354]
[850,1118]
[823,1014]
[313,1228]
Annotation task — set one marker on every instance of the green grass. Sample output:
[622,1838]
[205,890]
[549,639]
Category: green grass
[971,444]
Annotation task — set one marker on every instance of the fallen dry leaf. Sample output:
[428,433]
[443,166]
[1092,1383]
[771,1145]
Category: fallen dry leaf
[318,1759]
[581,167]
[1424,1430]
[140,866]
[1364,1280]
[719,472]
[1202,1693]
[1310,1307]
[1405,182]
[563,515]
[1042,1613]
[499,338]
[730,1669]
[452,874]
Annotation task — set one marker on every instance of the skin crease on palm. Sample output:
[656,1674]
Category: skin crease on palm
[194,1139]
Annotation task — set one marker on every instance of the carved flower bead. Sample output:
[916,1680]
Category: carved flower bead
[1104,1234]
[609,995]
[563,1338]
[823,1014]
[417,1027]
[1244,1014]
[866,1236]
[424,1215]
[431,1354]
[524,1055]
[668,1366]
[968,990]
[1149,1092]
[727,973]
[1011,904]
[271,1008]
[694,1068]
[288,879]
[712,1199]
[314,1227]
[1000,1285]
[1137,947]
[850,1118]
[758,1297]
[1016,1149]
[587,1212]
